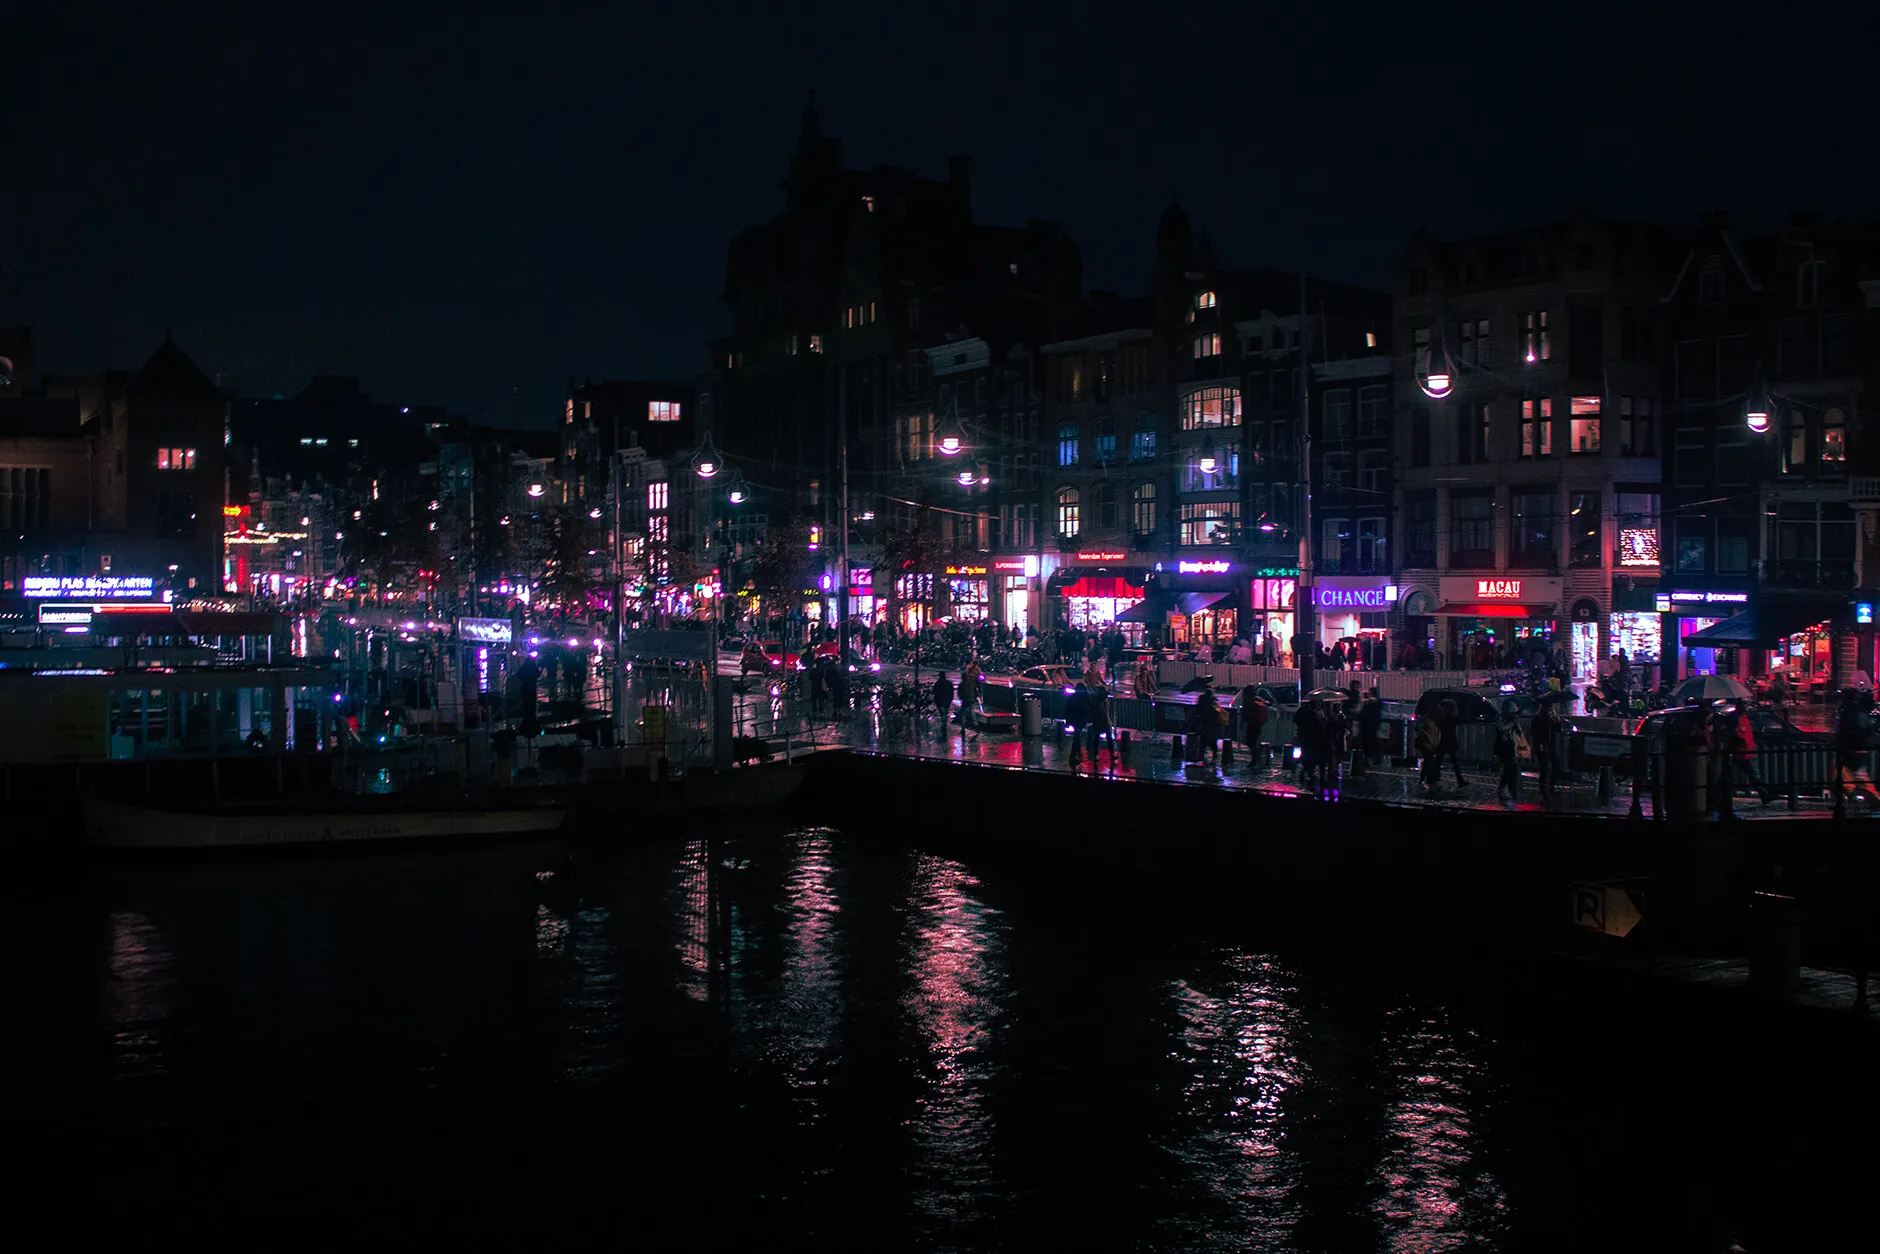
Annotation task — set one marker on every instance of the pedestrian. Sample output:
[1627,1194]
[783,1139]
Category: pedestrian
[1097,719]
[1251,710]
[1204,727]
[1076,718]
[1371,730]
[1449,718]
[1428,743]
[1543,742]
[1853,736]
[1510,747]
[969,697]
[943,699]
[1746,755]
[1337,740]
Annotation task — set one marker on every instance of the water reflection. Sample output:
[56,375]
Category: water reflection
[1434,1196]
[955,955]
[860,1045]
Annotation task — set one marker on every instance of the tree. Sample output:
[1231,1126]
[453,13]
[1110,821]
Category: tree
[782,565]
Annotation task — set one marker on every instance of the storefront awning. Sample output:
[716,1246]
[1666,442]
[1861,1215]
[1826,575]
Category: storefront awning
[1102,586]
[1190,602]
[1161,604]
[1495,609]
[1757,625]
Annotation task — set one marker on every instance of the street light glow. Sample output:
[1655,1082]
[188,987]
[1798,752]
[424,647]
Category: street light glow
[595,512]
[536,489]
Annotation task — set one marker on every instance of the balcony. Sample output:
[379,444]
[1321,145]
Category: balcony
[1794,574]
[1863,490]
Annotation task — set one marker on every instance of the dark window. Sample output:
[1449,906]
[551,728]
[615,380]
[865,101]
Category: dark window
[1792,349]
[1373,411]
[1420,510]
[1689,468]
[1420,436]
[1103,500]
[1733,541]
[1585,342]
[1106,375]
[1585,530]
[1693,545]
[1736,369]
[1732,455]
[1710,282]
[176,513]
[1142,441]
[1472,528]
[1697,368]
[1628,333]
[1531,538]
[1648,334]
[1106,441]
[1471,433]
[1836,346]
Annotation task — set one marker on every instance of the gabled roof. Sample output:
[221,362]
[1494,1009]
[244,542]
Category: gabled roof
[170,372]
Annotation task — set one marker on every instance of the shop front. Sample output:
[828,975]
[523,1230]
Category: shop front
[1197,603]
[1698,612]
[1634,625]
[862,593]
[1098,591]
[1271,622]
[1012,580]
[969,592]
[1353,609]
[1495,619]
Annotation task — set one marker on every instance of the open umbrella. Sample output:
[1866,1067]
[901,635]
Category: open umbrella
[1327,694]
[1710,688]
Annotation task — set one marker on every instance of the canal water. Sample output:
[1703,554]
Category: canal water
[806,1040]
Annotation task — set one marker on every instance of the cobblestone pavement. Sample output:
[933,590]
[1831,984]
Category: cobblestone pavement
[1150,757]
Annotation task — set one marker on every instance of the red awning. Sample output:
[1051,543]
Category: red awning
[1496,609]
[1102,586]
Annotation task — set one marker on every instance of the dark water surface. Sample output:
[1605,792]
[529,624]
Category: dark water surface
[810,1041]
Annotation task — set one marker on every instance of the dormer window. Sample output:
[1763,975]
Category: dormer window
[1710,282]
[868,204]
[1204,300]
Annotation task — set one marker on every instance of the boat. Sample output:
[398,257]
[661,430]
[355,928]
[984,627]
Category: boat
[125,825]
[701,791]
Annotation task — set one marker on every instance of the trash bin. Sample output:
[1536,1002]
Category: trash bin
[1775,955]
[1030,714]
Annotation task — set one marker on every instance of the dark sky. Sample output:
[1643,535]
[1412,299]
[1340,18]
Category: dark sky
[468,209]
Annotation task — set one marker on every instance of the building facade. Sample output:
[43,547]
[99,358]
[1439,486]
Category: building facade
[1528,423]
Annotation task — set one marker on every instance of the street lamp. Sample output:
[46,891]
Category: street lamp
[952,437]
[735,490]
[536,489]
[1209,463]
[1438,372]
[707,462]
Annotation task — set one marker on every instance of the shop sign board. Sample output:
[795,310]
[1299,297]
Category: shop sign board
[966,570]
[1365,595]
[1207,567]
[1680,599]
[1509,589]
[1102,555]
[94,587]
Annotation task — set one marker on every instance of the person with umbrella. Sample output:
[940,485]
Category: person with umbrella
[1510,747]
[1543,742]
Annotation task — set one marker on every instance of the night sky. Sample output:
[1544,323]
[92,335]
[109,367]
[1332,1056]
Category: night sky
[468,209]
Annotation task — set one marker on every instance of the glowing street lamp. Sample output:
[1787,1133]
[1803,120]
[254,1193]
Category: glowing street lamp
[536,489]
[1209,463]
[707,462]
[966,478]
[735,491]
[952,439]
[595,512]
[1758,417]
[1439,372]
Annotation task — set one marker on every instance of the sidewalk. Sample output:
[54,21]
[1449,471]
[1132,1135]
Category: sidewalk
[1147,757]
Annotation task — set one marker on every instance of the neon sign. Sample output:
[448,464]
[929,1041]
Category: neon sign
[1498,589]
[1016,565]
[1377,598]
[966,570]
[1203,568]
[485,630]
[92,587]
[1710,598]
[1102,555]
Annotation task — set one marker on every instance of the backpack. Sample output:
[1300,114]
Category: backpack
[1522,749]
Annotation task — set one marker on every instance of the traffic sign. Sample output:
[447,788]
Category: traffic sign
[1611,909]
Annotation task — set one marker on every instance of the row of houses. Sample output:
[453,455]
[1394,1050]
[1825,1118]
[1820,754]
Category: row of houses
[1585,435]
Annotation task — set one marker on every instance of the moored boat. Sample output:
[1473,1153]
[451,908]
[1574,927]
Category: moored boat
[124,825]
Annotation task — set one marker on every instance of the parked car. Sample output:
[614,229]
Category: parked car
[1475,705]
[1048,676]
[1770,727]
[768,656]
[732,644]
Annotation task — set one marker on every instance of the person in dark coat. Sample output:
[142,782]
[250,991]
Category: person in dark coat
[943,698]
[1370,731]
[969,696]
[1077,719]
[1508,754]
[1204,724]
[1309,731]
[1449,719]
[1543,735]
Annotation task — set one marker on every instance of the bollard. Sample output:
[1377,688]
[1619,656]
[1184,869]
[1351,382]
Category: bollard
[1605,781]
[1120,745]
[1175,750]
[1227,753]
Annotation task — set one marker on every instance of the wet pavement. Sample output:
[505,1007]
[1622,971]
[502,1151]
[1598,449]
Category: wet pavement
[1149,756]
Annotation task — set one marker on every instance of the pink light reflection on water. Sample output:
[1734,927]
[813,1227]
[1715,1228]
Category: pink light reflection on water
[140,992]
[691,903]
[1238,1048]
[955,953]
[1432,1195]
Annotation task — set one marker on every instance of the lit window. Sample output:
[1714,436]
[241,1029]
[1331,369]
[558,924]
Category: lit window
[1204,300]
[1142,509]
[163,459]
[1370,339]
[306,439]
[189,459]
[656,495]
[1535,345]
[1537,428]
[868,204]
[1585,433]
[1067,444]
[1834,440]
[871,311]
[1208,345]
[815,343]
[662,411]
[1068,508]
[850,313]
[793,346]
[1211,407]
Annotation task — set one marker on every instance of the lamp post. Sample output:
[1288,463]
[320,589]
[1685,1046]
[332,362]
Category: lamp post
[1305,616]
